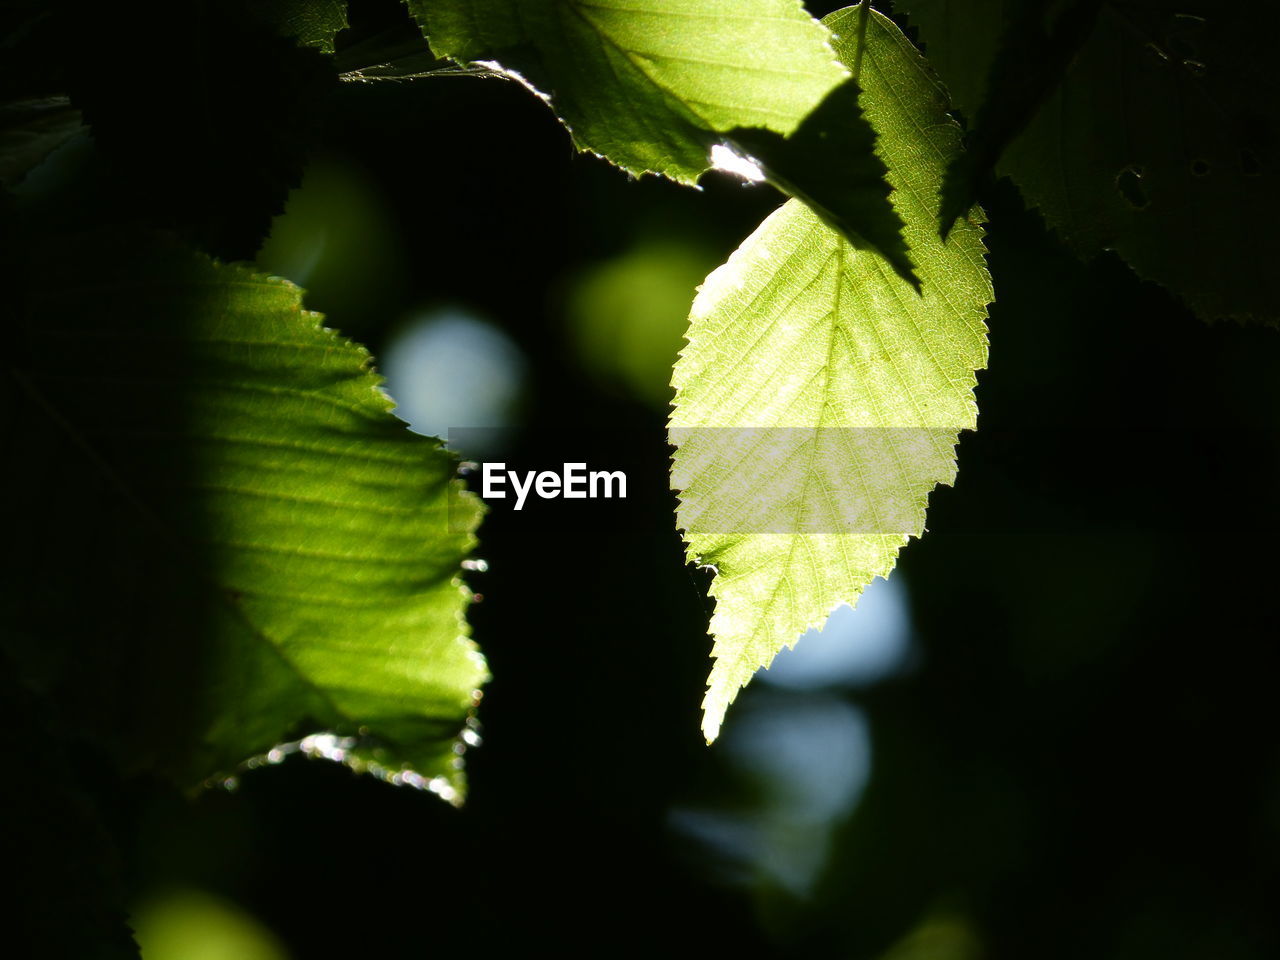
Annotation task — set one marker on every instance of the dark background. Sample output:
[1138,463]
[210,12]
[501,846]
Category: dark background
[1081,763]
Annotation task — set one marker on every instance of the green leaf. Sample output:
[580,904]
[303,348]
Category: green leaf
[649,83]
[1039,42]
[819,399]
[1158,143]
[851,193]
[313,23]
[217,506]
[654,85]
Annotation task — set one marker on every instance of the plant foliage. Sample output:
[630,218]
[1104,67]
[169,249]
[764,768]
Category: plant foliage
[814,357]
[1160,134]
[260,550]
[654,86]
[221,544]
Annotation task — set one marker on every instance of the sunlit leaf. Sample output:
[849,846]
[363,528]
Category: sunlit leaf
[654,85]
[218,509]
[850,194]
[819,399]
[648,83]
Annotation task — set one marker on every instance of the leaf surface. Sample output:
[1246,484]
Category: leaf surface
[1040,39]
[819,399]
[1158,143]
[830,163]
[217,506]
[648,83]
[313,23]
[654,85]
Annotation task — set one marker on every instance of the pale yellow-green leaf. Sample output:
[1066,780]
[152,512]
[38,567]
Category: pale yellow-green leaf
[819,398]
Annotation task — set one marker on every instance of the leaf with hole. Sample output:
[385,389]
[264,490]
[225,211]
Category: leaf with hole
[1040,39]
[1161,134]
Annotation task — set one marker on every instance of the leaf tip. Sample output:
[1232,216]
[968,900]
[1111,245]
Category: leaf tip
[712,718]
[722,688]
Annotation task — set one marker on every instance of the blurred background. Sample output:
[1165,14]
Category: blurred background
[1052,733]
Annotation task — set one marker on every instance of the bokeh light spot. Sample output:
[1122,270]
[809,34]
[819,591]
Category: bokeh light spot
[449,369]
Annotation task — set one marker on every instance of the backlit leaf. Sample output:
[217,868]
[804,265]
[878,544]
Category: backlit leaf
[655,85]
[648,83]
[819,399]
[218,509]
